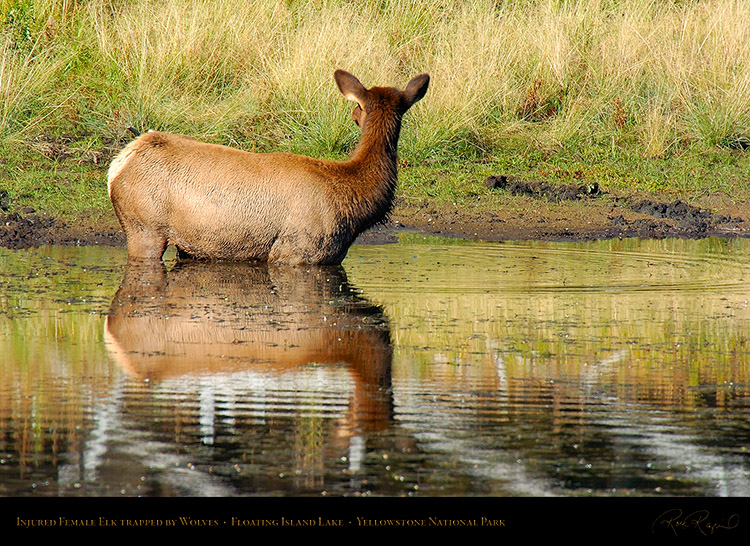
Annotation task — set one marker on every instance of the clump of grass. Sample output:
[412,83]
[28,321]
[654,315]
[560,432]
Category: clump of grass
[25,78]
[172,66]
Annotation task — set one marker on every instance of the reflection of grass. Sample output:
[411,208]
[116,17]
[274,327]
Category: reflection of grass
[52,305]
[50,313]
[432,240]
[489,304]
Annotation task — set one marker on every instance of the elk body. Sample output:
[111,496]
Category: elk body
[216,202]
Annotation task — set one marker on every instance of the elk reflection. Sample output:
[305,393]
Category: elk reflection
[217,318]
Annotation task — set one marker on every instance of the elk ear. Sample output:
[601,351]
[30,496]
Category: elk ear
[350,87]
[416,89]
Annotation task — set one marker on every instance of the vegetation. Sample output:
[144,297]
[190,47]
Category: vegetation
[645,94]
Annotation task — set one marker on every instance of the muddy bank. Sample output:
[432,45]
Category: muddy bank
[30,230]
[516,209]
[26,228]
[537,210]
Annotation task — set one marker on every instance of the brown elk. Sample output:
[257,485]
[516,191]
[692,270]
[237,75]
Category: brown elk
[216,202]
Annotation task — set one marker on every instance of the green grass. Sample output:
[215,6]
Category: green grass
[70,187]
[632,94]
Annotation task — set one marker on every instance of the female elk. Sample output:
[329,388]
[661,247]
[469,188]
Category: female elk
[216,202]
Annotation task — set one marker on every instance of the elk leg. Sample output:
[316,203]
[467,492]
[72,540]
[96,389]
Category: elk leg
[144,243]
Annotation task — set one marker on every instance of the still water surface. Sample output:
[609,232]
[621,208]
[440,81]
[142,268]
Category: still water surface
[429,367]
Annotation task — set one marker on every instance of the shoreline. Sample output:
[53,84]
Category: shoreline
[524,217]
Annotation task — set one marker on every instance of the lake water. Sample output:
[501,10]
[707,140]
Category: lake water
[429,367]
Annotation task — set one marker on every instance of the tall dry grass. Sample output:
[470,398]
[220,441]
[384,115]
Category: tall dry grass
[657,76]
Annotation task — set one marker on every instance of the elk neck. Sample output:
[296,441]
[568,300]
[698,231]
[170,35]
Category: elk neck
[373,167]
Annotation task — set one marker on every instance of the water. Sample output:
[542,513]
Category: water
[429,367]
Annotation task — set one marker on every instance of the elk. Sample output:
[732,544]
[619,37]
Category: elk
[219,203]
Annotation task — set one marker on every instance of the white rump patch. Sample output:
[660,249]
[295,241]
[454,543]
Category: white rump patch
[118,164]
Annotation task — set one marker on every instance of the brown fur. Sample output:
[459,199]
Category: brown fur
[217,202]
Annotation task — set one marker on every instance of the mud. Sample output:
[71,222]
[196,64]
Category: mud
[517,186]
[516,210]
[653,219]
[523,210]
[688,218]
[26,229]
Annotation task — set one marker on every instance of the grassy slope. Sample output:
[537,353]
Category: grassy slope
[631,94]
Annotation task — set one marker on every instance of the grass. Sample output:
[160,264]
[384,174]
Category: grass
[643,94]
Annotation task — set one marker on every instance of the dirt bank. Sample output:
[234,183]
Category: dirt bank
[515,210]
[536,210]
